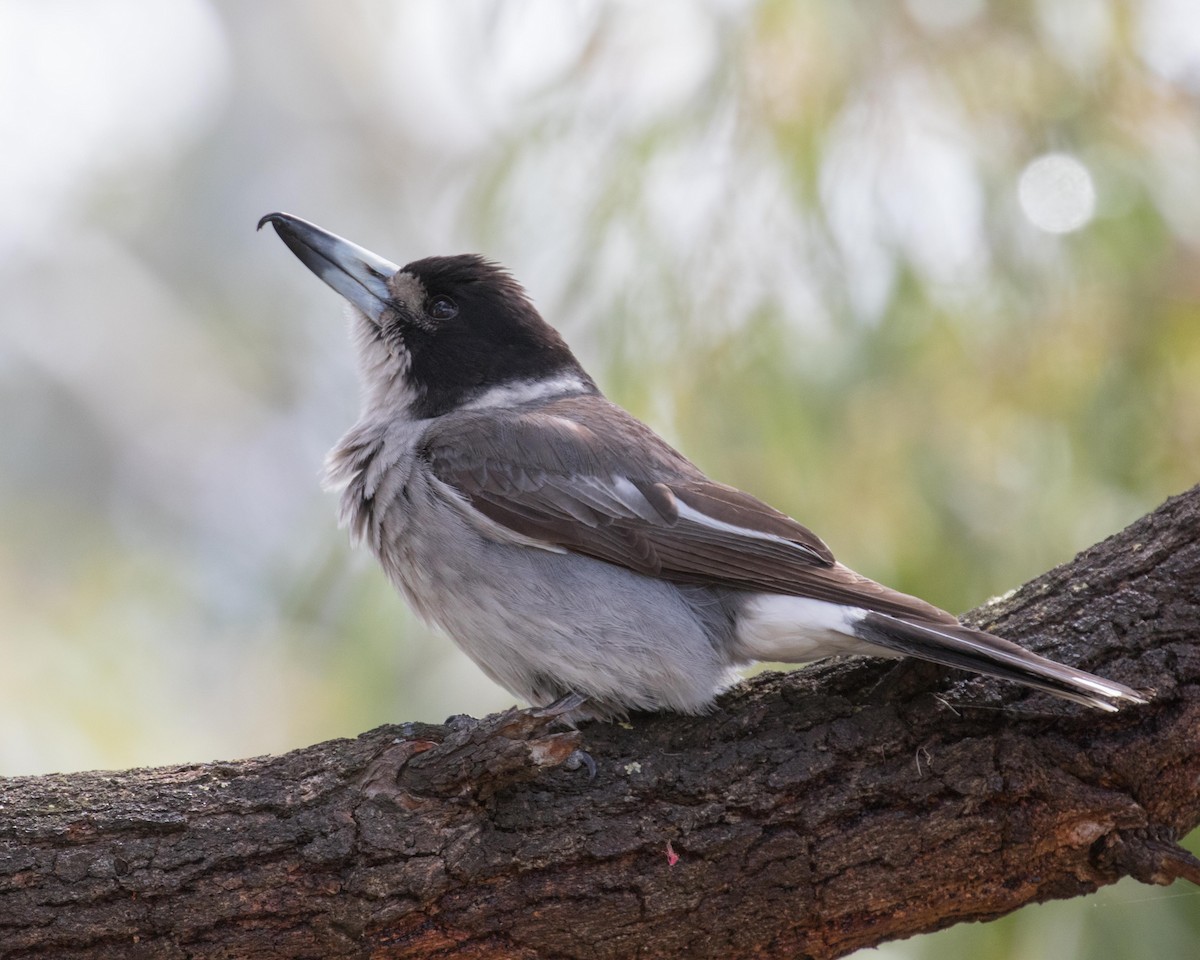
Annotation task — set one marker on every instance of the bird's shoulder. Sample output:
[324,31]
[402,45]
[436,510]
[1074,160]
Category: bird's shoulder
[575,435]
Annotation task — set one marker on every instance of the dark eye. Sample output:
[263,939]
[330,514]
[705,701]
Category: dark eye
[442,308]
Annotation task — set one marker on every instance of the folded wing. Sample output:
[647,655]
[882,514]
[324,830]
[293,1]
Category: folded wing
[557,475]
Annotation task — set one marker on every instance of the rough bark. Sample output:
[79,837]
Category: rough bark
[811,814]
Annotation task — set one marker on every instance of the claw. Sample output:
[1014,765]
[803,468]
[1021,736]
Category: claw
[581,758]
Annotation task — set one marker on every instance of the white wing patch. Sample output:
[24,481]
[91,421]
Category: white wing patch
[631,498]
[703,519]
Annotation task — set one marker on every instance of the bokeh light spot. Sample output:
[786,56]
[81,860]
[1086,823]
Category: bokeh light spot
[1056,193]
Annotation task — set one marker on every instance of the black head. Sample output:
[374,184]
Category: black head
[468,326]
[440,332]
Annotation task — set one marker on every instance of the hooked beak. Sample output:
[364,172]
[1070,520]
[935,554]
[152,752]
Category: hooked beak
[357,274]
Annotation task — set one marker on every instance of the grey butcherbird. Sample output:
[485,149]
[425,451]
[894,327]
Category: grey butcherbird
[561,542]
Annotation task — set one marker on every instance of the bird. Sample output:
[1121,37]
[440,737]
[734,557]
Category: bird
[570,552]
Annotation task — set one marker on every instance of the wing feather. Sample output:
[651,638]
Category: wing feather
[580,474]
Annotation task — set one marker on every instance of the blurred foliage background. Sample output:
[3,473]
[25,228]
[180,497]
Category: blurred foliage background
[924,274]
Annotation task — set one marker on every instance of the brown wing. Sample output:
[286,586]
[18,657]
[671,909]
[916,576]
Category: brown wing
[582,475]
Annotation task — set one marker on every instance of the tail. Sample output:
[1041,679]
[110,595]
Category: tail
[958,646]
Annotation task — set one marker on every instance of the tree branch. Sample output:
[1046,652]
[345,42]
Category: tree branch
[811,814]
